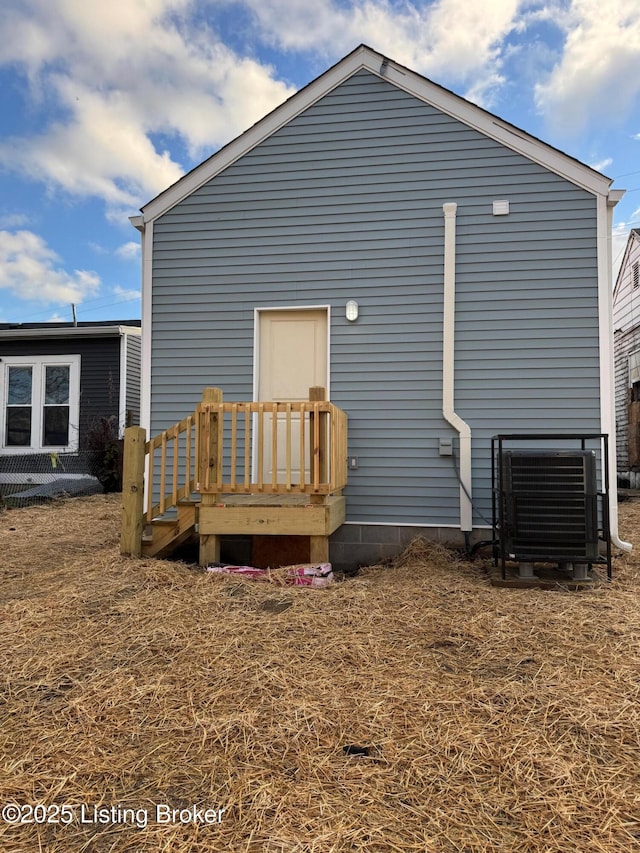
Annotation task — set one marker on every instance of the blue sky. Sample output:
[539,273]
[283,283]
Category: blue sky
[104,104]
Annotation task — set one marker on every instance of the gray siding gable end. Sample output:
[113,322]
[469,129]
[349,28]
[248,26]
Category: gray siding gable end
[365,59]
[344,201]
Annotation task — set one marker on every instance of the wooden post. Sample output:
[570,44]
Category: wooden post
[208,469]
[318,394]
[318,545]
[133,491]
[319,549]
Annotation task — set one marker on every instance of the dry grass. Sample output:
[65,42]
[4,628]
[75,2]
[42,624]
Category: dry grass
[496,720]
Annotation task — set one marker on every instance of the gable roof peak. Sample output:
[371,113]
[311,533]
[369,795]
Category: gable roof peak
[365,57]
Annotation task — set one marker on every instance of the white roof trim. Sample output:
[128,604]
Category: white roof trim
[447,102]
[633,236]
[495,128]
[71,331]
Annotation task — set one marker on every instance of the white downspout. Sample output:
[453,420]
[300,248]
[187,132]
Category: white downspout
[448,366]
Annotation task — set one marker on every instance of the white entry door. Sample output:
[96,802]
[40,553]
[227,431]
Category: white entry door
[292,358]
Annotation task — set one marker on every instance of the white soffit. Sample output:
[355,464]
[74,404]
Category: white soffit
[364,58]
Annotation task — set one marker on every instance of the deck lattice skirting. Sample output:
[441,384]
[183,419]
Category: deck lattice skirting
[214,471]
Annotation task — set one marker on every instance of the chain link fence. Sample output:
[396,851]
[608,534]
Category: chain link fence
[27,479]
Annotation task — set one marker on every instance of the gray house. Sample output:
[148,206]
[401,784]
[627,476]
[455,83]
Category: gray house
[57,381]
[626,326]
[443,274]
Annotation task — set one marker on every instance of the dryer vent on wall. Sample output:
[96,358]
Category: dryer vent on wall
[550,505]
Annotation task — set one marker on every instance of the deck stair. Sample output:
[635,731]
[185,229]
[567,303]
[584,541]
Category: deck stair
[163,535]
[211,474]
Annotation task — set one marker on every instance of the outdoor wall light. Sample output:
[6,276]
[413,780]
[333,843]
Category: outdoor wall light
[351,310]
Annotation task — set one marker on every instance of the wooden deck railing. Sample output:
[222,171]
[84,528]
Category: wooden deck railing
[233,448]
[175,450]
[257,448]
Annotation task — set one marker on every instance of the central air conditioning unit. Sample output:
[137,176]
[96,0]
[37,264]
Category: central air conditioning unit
[550,504]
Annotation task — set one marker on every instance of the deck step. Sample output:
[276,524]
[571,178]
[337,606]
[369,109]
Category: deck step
[165,535]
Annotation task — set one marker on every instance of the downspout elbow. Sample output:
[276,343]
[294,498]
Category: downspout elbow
[620,543]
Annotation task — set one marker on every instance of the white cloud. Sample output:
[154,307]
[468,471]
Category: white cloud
[13,220]
[30,270]
[596,77]
[452,38]
[484,89]
[121,82]
[601,164]
[126,295]
[125,74]
[129,251]
[99,153]
[465,38]
[98,248]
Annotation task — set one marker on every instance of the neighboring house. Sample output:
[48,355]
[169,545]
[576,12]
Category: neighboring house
[626,326]
[57,380]
[479,260]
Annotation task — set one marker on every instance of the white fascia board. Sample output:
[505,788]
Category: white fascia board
[625,258]
[442,99]
[495,128]
[71,332]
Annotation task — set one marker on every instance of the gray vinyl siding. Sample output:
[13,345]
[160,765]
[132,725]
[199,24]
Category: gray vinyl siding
[132,392]
[624,343]
[345,202]
[626,325]
[626,304]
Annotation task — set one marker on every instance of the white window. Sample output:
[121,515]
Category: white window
[40,398]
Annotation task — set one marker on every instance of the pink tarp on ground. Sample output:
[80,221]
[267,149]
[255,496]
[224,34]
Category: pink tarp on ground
[317,575]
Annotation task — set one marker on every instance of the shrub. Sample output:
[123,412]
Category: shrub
[106,453]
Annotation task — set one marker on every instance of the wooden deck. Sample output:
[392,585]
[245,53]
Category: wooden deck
[209,454]
[287,515]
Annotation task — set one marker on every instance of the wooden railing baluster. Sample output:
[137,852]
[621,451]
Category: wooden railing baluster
[247,447]
[260,445]
[234,444]
[288,448]
[274,447]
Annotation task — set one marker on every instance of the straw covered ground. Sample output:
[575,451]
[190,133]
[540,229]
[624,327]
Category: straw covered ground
[474,718]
